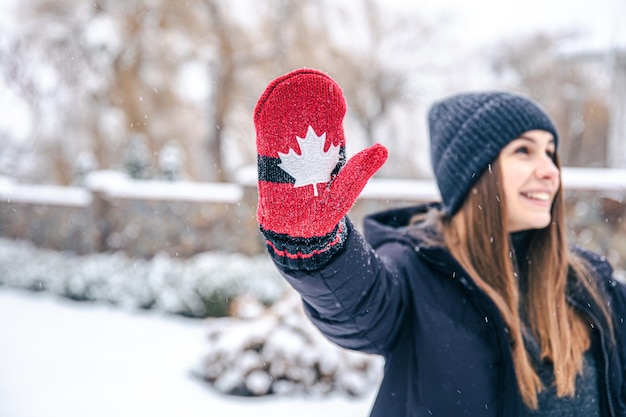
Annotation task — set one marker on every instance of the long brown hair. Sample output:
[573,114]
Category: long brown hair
[478,238]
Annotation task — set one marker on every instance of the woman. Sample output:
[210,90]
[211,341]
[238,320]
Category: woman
[476,302]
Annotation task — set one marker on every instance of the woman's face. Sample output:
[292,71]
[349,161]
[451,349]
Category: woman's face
[530,180]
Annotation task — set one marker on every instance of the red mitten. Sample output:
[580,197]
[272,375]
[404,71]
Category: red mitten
[305,190]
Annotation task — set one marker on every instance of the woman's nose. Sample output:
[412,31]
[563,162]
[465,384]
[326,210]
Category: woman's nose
[547,169]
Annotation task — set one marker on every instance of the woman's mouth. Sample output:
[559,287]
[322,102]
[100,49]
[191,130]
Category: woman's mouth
[542,196]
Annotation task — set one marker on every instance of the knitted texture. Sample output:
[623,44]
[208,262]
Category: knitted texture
[305,185]
[467,133]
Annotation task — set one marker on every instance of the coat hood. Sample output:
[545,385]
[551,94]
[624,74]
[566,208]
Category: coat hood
[394,225]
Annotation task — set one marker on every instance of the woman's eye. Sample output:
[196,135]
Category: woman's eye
[551,154]
[522,150]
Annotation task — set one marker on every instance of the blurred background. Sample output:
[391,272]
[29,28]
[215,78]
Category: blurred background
[127,166]
[165,89]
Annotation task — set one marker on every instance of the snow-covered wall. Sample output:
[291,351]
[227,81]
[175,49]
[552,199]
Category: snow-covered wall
[113,212]
[140,218]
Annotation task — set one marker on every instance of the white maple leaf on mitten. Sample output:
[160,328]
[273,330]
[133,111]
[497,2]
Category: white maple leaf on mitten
[313,165]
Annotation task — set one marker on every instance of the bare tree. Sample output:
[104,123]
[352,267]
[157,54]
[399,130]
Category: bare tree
[117,68]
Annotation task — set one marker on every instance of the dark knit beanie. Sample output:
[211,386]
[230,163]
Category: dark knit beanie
[467,133]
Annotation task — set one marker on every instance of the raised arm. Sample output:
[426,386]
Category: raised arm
[306,187]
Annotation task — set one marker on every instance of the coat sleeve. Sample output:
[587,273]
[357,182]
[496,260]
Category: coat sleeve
[358,299]
[619,322]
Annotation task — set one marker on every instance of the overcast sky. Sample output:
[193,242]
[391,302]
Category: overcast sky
[483,21]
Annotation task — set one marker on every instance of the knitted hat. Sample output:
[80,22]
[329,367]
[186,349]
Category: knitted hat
[467,133]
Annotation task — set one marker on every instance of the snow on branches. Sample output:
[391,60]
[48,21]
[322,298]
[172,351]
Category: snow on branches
[276,350]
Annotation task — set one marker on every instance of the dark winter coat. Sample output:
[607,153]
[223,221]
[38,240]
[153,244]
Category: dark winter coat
[445,344]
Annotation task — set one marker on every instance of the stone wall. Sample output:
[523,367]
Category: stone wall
[130,220]
[58,227]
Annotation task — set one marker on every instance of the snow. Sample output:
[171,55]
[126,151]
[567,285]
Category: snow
[583,179]
[195,287]
[70,359]
[281,352]
[400,189]
[116,184]
[193,81]
[600,179]
[12,192]
[130,347]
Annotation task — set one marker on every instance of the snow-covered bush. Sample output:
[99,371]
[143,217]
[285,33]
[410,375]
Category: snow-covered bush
[276,350]
[200,286]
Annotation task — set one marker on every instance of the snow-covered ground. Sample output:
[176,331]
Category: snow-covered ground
[64,358]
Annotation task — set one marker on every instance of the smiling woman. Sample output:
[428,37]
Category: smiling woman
[530,179]
[476,303]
